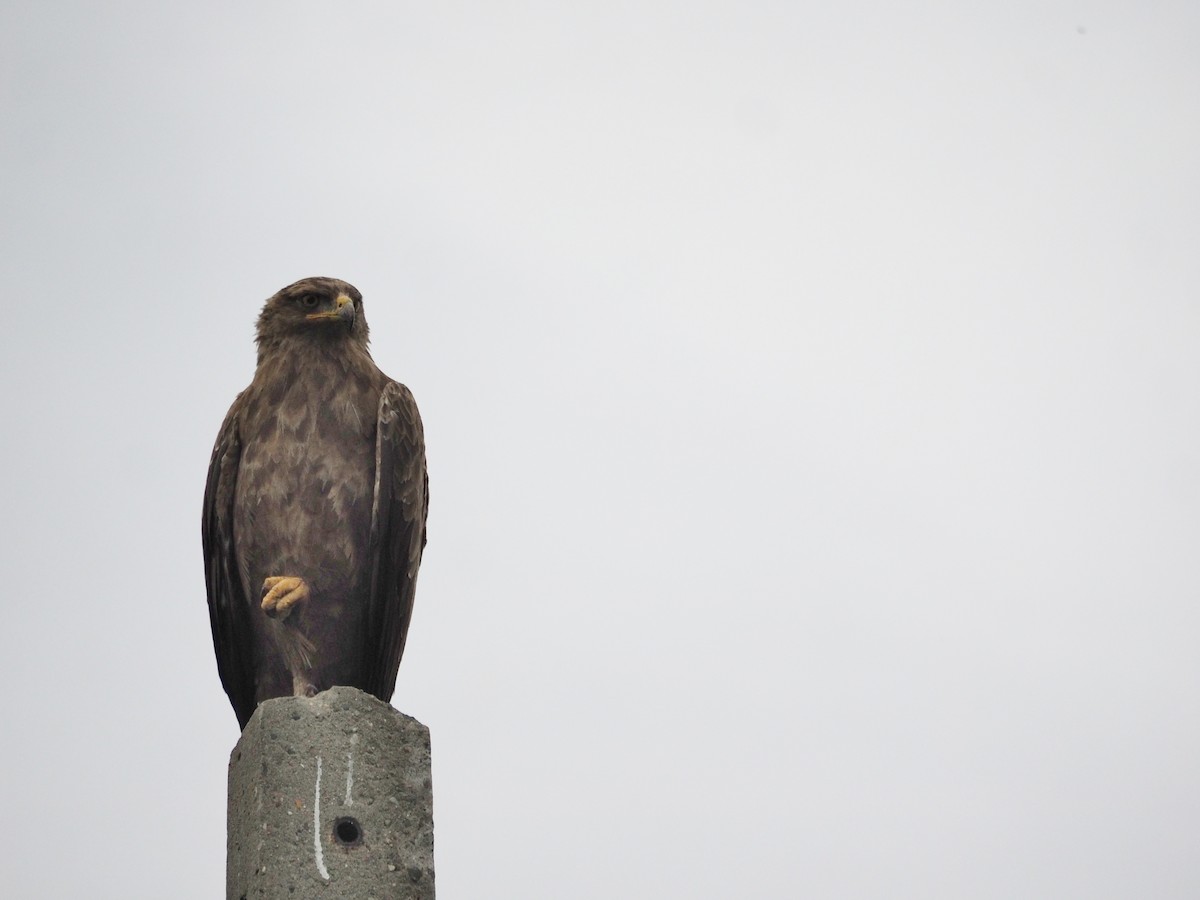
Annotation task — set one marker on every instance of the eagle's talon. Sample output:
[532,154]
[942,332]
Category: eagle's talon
[281,593]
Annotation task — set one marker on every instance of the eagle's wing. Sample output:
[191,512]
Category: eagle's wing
[397,535]
[228,611]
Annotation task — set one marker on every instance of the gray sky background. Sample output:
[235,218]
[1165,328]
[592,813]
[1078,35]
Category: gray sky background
[811,394]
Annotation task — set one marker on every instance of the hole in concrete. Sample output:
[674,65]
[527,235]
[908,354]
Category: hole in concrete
[347,831]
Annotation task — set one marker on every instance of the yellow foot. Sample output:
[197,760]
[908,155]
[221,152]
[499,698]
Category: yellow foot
[281,593]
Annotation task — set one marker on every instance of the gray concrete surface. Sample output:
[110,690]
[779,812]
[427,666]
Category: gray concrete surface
[330,797]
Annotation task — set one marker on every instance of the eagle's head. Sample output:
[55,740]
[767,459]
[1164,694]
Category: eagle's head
[319,309]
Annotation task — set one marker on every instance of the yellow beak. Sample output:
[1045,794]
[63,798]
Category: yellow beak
[344,311]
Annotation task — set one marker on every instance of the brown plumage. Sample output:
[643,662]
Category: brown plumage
[314,511]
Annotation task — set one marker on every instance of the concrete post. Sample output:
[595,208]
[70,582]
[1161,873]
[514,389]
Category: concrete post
[330,797]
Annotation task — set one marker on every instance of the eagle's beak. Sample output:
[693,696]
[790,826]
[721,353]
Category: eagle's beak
[343,313]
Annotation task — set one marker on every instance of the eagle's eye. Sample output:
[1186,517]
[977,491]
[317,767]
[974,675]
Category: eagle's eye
[309,301]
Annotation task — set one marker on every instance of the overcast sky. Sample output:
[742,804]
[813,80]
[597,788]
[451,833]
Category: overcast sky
[811,395]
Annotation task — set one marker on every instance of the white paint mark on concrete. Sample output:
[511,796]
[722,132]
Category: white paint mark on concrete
[317,852]
[350,770]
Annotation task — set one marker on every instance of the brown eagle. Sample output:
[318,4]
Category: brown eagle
[314,511]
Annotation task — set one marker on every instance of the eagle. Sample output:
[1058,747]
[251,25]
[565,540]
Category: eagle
[314,509]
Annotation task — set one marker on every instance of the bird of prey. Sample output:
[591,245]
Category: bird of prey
[314,510]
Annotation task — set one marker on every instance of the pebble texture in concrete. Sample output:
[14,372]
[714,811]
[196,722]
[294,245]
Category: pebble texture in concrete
[330,797]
